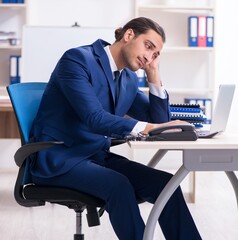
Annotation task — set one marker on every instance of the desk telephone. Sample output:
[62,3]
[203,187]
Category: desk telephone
[176,132]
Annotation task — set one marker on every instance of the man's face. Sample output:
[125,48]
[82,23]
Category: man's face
[142,50]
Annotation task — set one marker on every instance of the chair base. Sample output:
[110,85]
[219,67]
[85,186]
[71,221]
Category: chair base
[78,236]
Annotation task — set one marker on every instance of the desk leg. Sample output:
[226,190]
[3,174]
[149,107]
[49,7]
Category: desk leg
[192,178]
[156,158]
[161,201]
[192,187]
[234,181]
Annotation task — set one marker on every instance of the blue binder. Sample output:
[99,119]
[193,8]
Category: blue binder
[15,69]
[193,31]
[141,78]
[210,31]
[9,1]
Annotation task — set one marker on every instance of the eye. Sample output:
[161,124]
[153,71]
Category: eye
[148,45]
[155,55]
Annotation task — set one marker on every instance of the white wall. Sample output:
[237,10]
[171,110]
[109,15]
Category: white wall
[88,13]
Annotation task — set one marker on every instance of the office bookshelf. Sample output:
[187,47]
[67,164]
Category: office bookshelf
[185,71]
[13,16]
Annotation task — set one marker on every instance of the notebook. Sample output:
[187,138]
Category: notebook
[221,112]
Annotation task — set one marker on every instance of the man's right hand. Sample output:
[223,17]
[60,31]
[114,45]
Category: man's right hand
[151,126]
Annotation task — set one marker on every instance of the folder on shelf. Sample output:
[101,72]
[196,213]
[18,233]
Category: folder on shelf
[13,69]
[193,31]
[19,67]
[208,110]
[9,1]
[202,31]
[210,31]
[15,61]
[141,78]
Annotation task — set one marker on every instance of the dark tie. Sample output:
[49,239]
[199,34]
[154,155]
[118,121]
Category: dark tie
[117,84]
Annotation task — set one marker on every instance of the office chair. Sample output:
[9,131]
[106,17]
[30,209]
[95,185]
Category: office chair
[26,98]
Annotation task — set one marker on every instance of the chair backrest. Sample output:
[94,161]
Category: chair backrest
[25,98]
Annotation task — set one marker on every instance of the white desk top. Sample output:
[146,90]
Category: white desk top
[222,141]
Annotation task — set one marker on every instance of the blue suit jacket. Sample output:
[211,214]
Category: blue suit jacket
[78,108]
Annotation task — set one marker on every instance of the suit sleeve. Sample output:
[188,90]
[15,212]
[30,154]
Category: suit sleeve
[152,109]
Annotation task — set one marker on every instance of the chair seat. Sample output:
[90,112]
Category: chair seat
[64,196]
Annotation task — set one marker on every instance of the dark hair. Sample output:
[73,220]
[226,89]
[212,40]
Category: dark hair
[140,25]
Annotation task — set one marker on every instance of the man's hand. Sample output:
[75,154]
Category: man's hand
[152,72]
[151,126]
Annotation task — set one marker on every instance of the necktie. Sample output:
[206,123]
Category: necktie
[117,84]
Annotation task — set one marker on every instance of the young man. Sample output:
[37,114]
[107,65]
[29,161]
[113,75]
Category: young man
[83,107]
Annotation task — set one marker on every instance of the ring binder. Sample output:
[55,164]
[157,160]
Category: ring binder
[191,113]
[202,31]
[210,31]
[15,61]
[193,31]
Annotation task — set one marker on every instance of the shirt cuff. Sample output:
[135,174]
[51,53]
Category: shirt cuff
[158,91]
[139,127]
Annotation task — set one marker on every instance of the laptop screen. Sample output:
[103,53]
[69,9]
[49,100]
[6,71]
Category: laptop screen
[222,107]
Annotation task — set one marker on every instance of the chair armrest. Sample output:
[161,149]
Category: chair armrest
[115,141]
[26,150]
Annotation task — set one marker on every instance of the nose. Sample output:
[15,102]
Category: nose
[148,57]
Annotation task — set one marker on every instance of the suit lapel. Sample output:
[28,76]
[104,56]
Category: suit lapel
[104,62]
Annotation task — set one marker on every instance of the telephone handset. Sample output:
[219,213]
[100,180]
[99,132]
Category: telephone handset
[175,132]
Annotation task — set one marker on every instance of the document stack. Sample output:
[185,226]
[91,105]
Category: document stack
[191,113]
[200,31]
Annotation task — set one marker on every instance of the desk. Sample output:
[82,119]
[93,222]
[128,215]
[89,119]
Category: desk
[217,154]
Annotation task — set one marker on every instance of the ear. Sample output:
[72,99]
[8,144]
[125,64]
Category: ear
[129,34]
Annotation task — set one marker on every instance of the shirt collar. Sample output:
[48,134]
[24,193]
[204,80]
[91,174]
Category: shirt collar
[111,60]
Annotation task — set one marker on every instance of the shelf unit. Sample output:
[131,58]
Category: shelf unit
[185,71]
[12,18]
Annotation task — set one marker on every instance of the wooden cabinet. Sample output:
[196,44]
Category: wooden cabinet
[8,123]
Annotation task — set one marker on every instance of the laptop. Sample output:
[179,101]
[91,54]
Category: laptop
[221,112]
